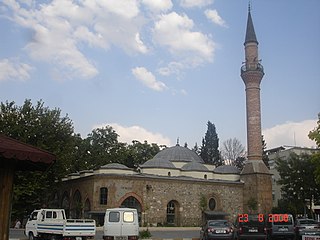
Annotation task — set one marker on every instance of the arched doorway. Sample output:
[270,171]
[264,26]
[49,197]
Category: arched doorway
[76,211]
[132,202]
[173,213]
[65,204]
[87,208]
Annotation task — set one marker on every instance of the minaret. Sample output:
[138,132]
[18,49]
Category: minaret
[255,174]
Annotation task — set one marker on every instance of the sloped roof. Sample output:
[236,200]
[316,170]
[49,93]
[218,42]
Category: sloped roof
[195,166]
[23,155]
[226,169]
[178,154]
[158,163]
[115,166]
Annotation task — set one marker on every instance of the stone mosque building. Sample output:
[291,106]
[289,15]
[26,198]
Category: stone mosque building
[176,187]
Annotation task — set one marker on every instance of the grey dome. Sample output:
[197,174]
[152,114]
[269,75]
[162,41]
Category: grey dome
[178,154]
[158,163]
[114,166]
[194,166]
[227,169]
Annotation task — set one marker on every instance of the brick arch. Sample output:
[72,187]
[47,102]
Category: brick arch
[131,194]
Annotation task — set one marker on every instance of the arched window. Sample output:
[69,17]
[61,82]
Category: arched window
[212,204]
[103,196]
[87,208]
[205,176]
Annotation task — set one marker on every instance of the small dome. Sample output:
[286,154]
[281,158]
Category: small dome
[115,166]
[178,154]
[194,166]
[227,169]
[157,163]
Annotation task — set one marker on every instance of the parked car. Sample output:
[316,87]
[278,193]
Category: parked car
[250,227]
[307,227]
[217,229]
[281,226]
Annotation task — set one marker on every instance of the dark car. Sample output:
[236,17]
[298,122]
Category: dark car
[308,227]
[250,227]
[217,229]
[282,228]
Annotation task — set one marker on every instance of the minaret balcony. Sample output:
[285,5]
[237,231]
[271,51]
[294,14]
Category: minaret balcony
[252,67]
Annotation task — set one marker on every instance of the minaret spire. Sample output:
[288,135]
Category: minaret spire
[250,33]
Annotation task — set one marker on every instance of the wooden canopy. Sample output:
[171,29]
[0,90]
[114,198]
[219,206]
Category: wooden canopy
[16,155]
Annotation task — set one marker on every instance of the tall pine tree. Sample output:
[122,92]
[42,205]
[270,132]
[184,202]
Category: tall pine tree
[210,146]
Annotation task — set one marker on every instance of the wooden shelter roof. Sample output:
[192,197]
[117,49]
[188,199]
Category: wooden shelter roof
[22,155]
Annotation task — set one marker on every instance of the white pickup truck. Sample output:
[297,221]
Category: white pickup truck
[52,224]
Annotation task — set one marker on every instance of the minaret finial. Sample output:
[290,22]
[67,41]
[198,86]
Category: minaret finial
[249,6]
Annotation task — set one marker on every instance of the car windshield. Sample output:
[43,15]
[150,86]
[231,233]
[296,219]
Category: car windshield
[219,224]
[253,220]
[307,221]
[282,222]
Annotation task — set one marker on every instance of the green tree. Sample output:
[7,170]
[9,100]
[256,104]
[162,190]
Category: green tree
[138,153]
[210,146]
[315,135]
[44,128]
[298,180]
[102,147]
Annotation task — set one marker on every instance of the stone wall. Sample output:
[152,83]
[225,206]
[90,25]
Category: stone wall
[154,194]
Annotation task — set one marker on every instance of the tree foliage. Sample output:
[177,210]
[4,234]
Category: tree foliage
[44,128]
[210,146]
[298,180]
[315,135]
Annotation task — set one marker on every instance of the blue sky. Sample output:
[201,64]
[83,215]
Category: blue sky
[157,70]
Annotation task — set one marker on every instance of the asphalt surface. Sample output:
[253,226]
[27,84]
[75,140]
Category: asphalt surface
[156,232]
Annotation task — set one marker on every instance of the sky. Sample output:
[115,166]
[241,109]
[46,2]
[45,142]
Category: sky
[159,70]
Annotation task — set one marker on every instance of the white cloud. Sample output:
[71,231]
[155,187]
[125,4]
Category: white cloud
[128,134]
[148,79]
[158,5]
[290,133]
[214,16]
[14,70]
[171,68]
[59,28]
[195,3]
[175,32]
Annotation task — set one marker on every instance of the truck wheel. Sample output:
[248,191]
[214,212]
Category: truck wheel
[31,237]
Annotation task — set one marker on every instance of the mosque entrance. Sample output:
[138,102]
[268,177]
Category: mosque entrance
[173,213]
[132,202]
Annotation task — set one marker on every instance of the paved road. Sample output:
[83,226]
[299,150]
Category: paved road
[158,233]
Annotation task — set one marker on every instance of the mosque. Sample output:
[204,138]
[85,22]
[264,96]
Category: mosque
[176,187]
